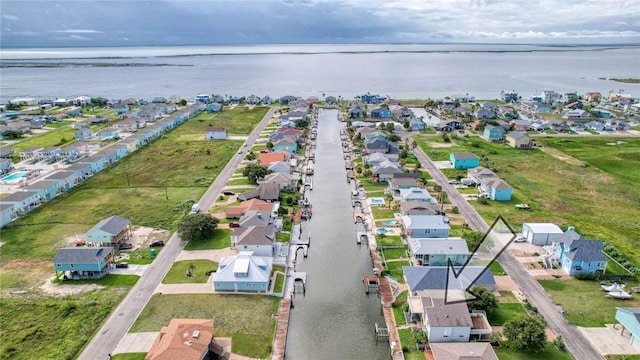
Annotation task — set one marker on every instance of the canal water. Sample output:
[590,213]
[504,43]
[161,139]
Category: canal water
[334,319]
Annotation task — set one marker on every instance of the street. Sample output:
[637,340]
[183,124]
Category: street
[121,319]
[577,344]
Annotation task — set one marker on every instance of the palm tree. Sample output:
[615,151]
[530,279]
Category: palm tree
[389,199]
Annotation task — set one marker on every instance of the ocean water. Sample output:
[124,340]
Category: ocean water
[399,71]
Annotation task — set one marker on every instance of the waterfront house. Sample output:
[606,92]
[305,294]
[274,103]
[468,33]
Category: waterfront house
[62,102]
[215,133]
[82,170]
[435,278]
[283,180]
[491,186]
[108,134]
[384,171]
[214,107]
[483,113]
[203,98]
[416,124]
[280,167]
[449,125]
[419,208]
[519,140]
[416,194]
[7,213]
[185,339]
[110,231]
[285,100]
[463,351]
[438,251]
[258,239]
[65,179]
[464,160]
[356,112]
[574,106]
[23,201]
[398,183]
[541,233]
[330,100]
[369,98]
[381,113]
[593,96]
[265,159]
[425,226]
[98,163]
[29,153]
[508,96]
[120,108]
[82,100]
[47,189]
[83,262]
[235,212]
[446,322]
[493,133]
[266,100]
[603,114]
[243,272]
[83,134]
[159,100]
[266,192]
[577,255]
[285,144]
[575,115]
[376,144]
[446,106]
[629,319]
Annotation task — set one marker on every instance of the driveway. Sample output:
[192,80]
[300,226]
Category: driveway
[200,288]
[213,255]
[136,342]
[131,270]
[608,340]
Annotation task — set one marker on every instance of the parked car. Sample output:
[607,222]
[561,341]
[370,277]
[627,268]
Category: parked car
[454,182]
[228,193]
[520,239]
[125,246]
[523,207]
[234,225]
[157,243]
[123,265]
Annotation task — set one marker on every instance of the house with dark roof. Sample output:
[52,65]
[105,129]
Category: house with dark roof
[464,160]
[438,251]
[258,239]
[268,192]
[110,231]
[463,351]
[384,171]
[376,144]
[449,125]
[185,339]
[435,278]
[577,255]
[629,319]
[485,114]
[243,272]
[356,112]
[83,262]
[381,113]
[23,201]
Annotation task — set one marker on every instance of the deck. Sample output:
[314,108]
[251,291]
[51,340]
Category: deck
[282,325]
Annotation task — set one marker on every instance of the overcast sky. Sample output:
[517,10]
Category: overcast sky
[28,23]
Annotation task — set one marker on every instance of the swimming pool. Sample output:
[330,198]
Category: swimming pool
[383,231]
[390,223]
[14,177]
[376,201]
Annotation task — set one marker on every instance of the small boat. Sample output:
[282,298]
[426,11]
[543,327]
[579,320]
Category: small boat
[306,202]
[612,287]
[635,289]
[619,295]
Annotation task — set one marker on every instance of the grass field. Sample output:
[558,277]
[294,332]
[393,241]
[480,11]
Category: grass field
[51,138]
[178,272]
[396,253]
[505,312]
[237,121]
[395,269]
[408,340]
[53,327]
[563,192]
[129,356]
[247,319]
[585,304]
[549,353]
[220,239]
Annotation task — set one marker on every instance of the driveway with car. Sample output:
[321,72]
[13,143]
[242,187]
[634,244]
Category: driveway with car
[132,269]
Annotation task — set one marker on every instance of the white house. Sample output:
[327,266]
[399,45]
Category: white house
[215,133]
[541,233]
[7,213]
[243,272]
[260,240]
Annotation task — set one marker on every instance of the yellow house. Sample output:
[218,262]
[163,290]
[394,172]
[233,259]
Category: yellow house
[519,140]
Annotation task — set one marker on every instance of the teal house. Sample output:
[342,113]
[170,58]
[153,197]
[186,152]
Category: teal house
[493,133]
[285,144]
[464,160]
[438,251]
[214,107]
[110,231]
[83,262]
[629,318]
[47,189]
[577,255]
[243,272]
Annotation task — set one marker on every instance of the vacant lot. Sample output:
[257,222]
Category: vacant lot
[237,121]
[199,268]
[549,353]
[247,319]
[589,198]
[57,137]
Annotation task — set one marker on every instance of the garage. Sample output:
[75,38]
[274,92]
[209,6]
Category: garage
[541,233]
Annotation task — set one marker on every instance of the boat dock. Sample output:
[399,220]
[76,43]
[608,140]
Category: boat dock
[371,284]
[282,326]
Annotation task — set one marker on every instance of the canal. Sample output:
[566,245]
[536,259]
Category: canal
[334,319]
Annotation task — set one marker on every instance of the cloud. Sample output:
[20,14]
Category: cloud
[9,17]
[77,31]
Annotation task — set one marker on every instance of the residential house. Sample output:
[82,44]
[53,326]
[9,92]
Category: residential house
[285,100]
[184,339]
[463,351]
[577,255]
[98,163]
[384,171]
[214,107]
[519,140]
[23,201]
[265,159]
[483,113]
[215,133]
[435,278]
[575,115]
[449,125]
[446,322]
[120,150]
[7,213]
[120,108]
[446,106]
[283,180]
[66,179]
[593,96]
[257,218]
[203,98]
[266,100]
[280,167]
[576,105]
[293,116]
[82,170]
[47,189]
[381,113]
[425,226]
[541,233]
[577,127]
[51,152]
[6,151]
[62,102]
[438,251]
[83,262]
[369,98]
[253,99]
[462,111]
[6,165]
[133,142]
[258,239]
[493,133]
[629,319]
[75,111]
[491,186]
[267,192]
[520,125]
[603,114]
[490,106]
[398,183]
[217,99]
[377,144]
[36,123]
[108,134]
[558,125]
[416,194]
[416,124]
[110,231]
[71,152]
[595,125]
[130,124]
[420,208]
[29,153]
[464,160]
[285,144]
[356,112]
[330,100]
[508,96]
[243,272]
[235,212]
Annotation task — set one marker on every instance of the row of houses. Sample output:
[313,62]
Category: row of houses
[31,196]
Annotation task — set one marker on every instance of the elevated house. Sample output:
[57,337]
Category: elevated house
[47,189]
[575,114]
[108,134]
[203,98]
[519,140]
[215,133]
[109,232]
[82,170]
[416,194]
[464,160]
[6,151]
[378,144]
[416,124]
[6,165]
[83,262]
[29,153]
[381,113]
[51,152]
[425,226]
[493,133]
[509,96]
[593,96]
[7,213]
[120,108]
[83,134]
[541,233]
[420,208]
[449,125]
[435,278]
[490,185]
[520,125]
[214,107]
[629,319]
[22,201]
[438,251]
[185,339]
[384,171]
[260,240]
[369,98]
[243,273]
[97,162]
[356,112]
[483,113]
[66,179]
[577,255]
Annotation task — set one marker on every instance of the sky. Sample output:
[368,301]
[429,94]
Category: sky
[50,23]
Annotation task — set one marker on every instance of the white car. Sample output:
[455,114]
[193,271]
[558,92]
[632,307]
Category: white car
[520,239]
[454,182]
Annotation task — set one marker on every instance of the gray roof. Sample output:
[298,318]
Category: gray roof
[516,135]
[75,255]
[255,218]
[376,144]
[569,237]
[447,246]
[404,181]
[264,191]
[439,314]
[387,167]
[42,184]
[435,277]
[424,222]
[4,206]
[586,250]
[112,225]
[465,155]
[257,235]
[463,351]
[61,175]
[419,208]
[18,196]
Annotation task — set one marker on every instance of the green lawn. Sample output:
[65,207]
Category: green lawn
[495,268]
[284,237]
[379,212]
[247,319]
[389,240]
[395,269]
[397,253]
[278,287]
[220,239]
[109,280]
[585,304]
[398,308]
[549,353]
[178,272]
[505,312]
[129,356]
[53,327]
[369,185]
[240,181]
[51,138]
[142,256]
[622,357]
[238,121]
[408,339]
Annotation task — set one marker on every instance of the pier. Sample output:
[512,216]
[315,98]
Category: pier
[282,325]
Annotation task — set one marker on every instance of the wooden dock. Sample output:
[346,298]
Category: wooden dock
[371,284]
[282,326]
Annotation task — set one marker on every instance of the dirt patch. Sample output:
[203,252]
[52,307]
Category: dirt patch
[616,143]
[1,243]
[67,289]
[441,145]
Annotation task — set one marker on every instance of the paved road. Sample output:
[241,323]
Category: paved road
[119,322]
[576,343]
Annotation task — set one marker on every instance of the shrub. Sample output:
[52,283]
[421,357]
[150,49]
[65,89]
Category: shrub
[585,277]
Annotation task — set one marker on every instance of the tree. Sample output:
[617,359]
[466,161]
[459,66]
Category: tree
[474,239]
[302,123]
[485,300]
[283,211]
[394,138]
[389,199]
[183,102]
[389,127]
[197,226]
[526,333]
[269,145]
[403,154]
[251,156]
[255,172]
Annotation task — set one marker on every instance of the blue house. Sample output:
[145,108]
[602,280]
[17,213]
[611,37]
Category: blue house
[110,231]
[416,124]
[577,255]
[83,262]
[497,189]
[243,272]
[47,189]
[120,108]
[381,113]
[214,107]
[464,160]
[108,134]
[629,318]
[425,226]
[493,133]
[83,134]
[369,98]
[97,162]
[285,144]
[203,98]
